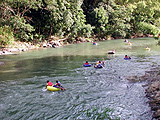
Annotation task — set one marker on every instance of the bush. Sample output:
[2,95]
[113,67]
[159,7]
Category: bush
[128,36]
[22,30]
[6,36]
[148,28]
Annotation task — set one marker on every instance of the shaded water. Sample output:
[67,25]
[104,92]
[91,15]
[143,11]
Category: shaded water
[23,78]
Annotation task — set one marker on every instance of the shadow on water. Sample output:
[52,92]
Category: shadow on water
[23,78]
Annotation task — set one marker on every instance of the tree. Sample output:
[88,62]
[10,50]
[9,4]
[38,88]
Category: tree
[6,36]
[99,20]
[13,14]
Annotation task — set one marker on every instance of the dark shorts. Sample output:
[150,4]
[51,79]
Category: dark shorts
[54,86]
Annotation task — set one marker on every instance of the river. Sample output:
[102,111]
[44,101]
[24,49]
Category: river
[23,78]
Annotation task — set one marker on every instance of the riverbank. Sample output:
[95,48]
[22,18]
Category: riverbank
[17,47]
[152,88]
[53,42]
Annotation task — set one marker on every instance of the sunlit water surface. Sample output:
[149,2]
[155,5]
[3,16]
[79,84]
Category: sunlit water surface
[23,78]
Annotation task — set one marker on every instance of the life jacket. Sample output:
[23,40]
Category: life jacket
[126,56]
[49,83]
[58,84]
[86,63]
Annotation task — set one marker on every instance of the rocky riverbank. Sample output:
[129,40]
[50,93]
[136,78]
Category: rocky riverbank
[53,42]
[152,78]
[17,47]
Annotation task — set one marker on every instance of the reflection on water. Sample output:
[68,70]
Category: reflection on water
[23,78]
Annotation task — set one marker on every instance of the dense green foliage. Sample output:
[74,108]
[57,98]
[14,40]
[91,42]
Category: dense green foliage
[6,35]
[36,20]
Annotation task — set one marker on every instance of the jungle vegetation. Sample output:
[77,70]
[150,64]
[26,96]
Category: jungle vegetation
[38,20]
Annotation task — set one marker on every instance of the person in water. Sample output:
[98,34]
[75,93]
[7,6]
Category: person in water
[94,43]
[99,64]
[126,40]
[58,85]
[49,83]
[127,57]
[86,63]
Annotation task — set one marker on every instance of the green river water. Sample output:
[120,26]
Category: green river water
[23,78]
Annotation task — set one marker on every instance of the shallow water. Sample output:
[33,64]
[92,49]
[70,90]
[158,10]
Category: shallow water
[23,78]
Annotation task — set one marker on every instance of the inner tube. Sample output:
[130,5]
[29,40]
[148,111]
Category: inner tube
[94,43]
[147,48]
[98,66]
[125,40]
[89,65]
[51,88]
[127,58]
[111,52]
